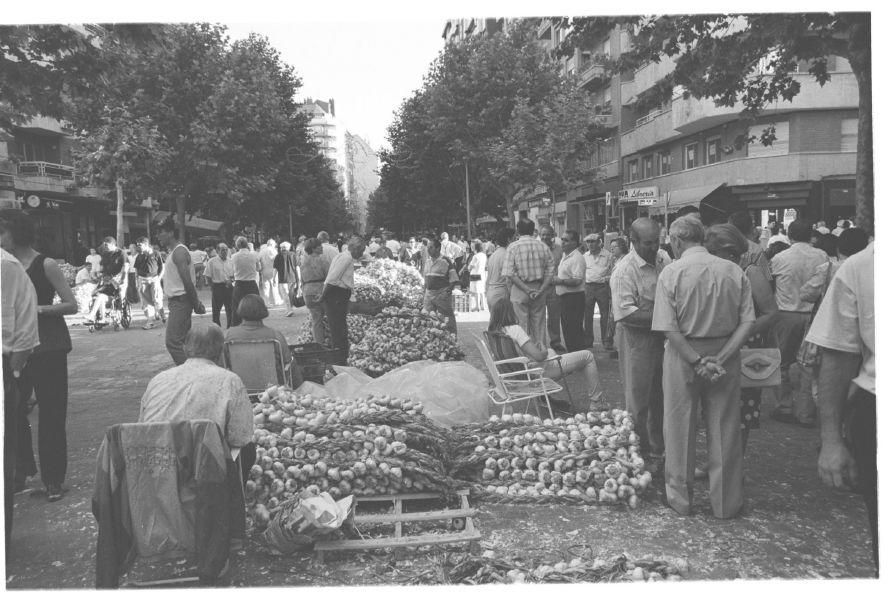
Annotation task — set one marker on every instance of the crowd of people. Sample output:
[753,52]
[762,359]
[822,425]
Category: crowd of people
[676,307]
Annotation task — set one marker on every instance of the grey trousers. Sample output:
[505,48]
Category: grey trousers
[790,331]
[640,353]
[179,324]
[683,391]
[531,315]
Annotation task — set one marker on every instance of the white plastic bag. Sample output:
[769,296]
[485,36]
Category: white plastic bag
[348,383]
[310,388]
[451,393]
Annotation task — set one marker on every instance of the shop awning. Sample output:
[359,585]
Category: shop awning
[685,197]
[192,221]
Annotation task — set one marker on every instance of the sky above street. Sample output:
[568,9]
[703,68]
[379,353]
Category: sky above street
[367,67]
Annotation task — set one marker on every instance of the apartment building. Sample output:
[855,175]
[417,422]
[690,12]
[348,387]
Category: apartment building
[353,161]
[584,207]
[456,30]
[690,152]
[361,176]
[37,176]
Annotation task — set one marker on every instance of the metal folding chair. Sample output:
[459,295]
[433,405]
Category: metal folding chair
[259,363]
[523,384]
[503,347]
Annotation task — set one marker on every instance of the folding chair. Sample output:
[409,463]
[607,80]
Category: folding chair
[259,363]
[524,384]
[503,347]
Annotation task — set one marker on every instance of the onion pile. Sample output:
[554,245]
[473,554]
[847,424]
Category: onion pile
[398,336]
[590,458]
[70,272]
[400,285]
[357,325]
[374,445]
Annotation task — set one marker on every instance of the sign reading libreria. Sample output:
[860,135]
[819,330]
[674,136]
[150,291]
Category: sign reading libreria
[644,196]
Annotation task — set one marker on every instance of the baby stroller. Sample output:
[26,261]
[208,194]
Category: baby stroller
[116,311]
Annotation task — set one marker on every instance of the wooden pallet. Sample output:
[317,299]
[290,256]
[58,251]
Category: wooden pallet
[399,517]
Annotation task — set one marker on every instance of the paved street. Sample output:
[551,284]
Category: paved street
[793,526]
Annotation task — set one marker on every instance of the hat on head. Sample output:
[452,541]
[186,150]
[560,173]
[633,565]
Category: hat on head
[591,237]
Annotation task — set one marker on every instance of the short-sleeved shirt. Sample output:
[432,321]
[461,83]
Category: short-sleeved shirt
[220,271]
[495,279]
[572,266]
[199,389]
[451,250]
[845,320]
[95,260]
[702,296]
[198,256]
[529,259]
[148,264]
[599,266]
[330,252]
[341,271]
[633,283]
[791,269]
[19,311]
[245,265]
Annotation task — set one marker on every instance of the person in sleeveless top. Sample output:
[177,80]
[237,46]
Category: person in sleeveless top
[179,283]
[46,373]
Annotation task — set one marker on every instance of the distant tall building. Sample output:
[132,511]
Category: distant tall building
[459,29]
[361,176]
[354,162]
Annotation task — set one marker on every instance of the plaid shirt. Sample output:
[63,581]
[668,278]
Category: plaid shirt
[529,258]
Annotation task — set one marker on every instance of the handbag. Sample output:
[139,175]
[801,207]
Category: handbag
[761,367]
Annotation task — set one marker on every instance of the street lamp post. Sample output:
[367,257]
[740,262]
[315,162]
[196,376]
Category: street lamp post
[468,205]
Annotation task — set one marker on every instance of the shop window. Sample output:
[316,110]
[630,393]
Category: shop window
[632,170]
[664,160]
[712,151]
[690,156]
[647,166]
[779,145]
[849,135]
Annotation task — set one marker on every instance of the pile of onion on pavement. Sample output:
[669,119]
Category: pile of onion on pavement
[365,446]
[591,458]
[398,336]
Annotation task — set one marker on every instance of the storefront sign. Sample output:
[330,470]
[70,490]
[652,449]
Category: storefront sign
[645,196]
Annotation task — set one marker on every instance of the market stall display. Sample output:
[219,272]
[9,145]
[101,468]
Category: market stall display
[356,330]
[399,284]
[398,336]
[367,446]
[592,458]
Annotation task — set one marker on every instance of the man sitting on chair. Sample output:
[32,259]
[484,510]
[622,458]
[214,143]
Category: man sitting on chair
[200,389]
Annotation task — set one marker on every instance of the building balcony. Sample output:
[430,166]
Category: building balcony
[607,170]
[644,78]
[544,29]
[691,114]
[39,176]
[593,73]
[801,166]
[43,125]
[652,129]
[38,168]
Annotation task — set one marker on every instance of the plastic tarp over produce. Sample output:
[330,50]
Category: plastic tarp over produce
[451,393]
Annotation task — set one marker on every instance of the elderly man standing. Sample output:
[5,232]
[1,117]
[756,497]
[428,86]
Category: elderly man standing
[640,350]
[598,292]
[791,269]
[529,269]
[703,306]
[179,281]
[570,290]
[336,295]
[451,251]
[553,304]
[844,327]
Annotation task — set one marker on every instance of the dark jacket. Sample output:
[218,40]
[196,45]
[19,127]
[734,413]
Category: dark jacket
[198,454]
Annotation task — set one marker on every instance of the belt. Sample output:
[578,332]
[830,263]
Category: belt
[533,280]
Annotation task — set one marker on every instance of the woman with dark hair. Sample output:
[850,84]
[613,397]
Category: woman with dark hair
[46,373]
[440,280]
[725,241]
[497,286]
[477,272]
[252,311]
[503,320]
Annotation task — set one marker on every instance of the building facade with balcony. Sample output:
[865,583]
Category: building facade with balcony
[37,176]
[456,30]
[691,152]
[361,177]
[584,208]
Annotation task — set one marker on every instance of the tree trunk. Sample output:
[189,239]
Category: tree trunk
[181,217]
[860,57]
[119,213]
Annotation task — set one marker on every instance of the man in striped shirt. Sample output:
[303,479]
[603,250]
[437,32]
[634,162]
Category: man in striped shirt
[528,267]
